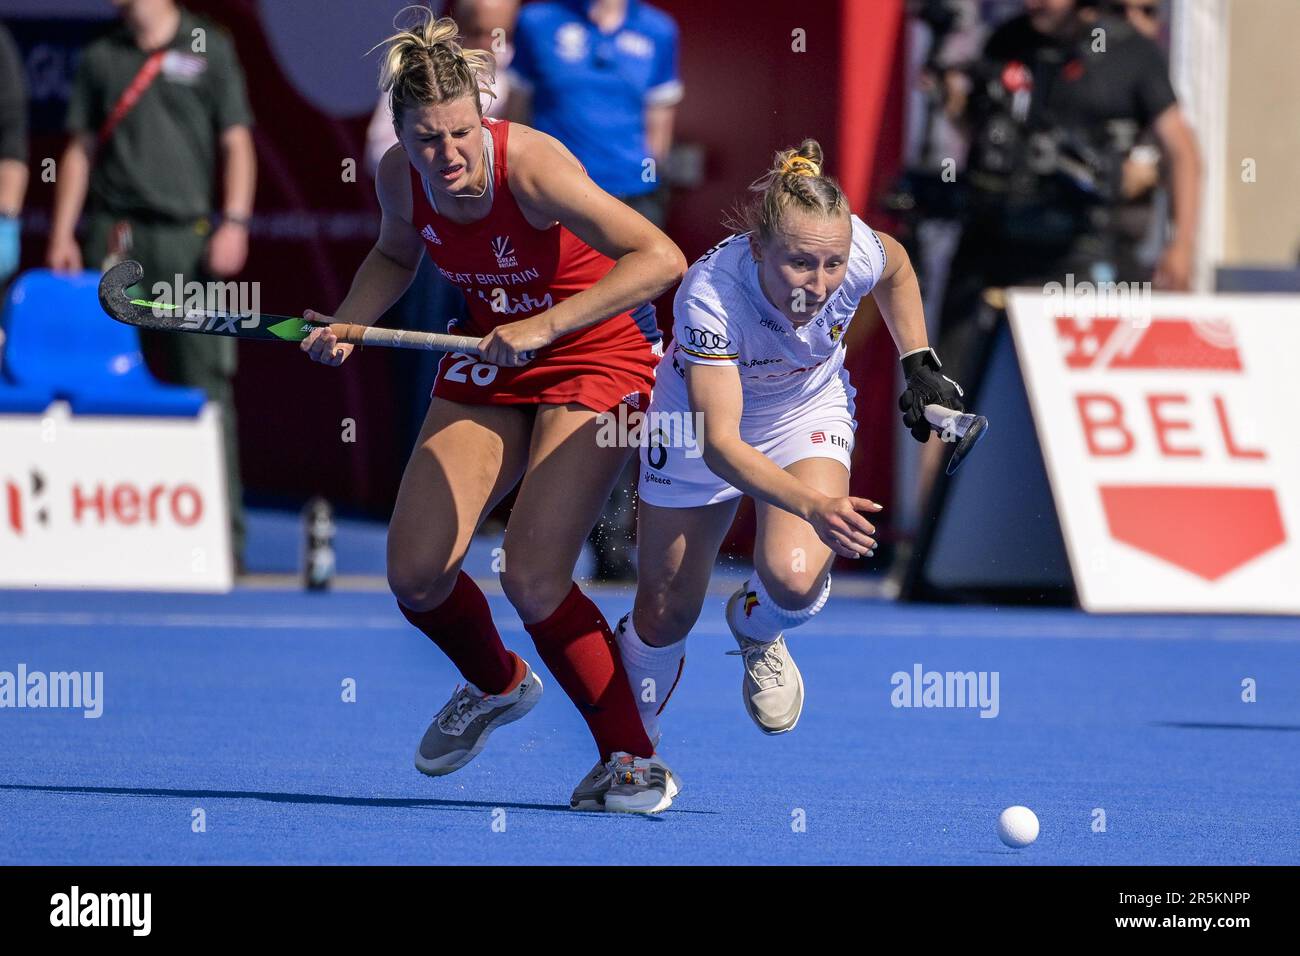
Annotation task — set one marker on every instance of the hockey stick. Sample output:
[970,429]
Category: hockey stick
[964,428]
[166,317]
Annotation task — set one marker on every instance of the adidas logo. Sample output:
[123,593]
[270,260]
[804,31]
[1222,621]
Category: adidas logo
[633,399]
[429,235]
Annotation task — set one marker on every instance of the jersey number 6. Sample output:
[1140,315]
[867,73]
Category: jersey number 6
[657,454]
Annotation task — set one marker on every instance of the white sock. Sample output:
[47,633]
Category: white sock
[758,617]
[652,673]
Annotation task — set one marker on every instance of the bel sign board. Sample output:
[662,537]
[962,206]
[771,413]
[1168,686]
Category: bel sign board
[1172,444]
[90,501]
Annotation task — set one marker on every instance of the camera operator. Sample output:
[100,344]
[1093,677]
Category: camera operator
[1053,109]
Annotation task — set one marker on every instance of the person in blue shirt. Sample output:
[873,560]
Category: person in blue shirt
[601,77]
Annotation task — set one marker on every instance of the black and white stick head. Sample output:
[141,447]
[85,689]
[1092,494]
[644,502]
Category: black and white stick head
[974,434]
[114,300]
[112,289]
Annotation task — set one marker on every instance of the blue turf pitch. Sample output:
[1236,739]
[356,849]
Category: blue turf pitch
[233,705]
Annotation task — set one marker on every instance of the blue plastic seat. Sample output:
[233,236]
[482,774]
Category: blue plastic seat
[58,338]
[163,400]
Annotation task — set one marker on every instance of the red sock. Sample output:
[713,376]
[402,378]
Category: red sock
[577,645]
[462,628]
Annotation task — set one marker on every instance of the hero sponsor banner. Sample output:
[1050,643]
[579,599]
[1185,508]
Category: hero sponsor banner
[108,502]
[1170,442]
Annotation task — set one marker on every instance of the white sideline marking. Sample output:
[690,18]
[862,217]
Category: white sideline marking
[1086,629]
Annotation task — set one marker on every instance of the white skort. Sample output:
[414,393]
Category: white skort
[673,473]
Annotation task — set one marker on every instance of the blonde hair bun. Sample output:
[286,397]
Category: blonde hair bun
[424,64]
[795,180]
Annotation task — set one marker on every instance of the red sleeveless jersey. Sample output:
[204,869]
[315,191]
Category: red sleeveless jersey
[508,271]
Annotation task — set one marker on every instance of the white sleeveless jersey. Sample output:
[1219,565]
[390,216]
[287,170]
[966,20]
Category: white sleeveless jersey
[721,317]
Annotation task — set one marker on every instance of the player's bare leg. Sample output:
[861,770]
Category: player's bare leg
[790,558]
[790,584]
[676,549]
[569,478]
[465,460]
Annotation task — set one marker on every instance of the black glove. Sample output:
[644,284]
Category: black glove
[926,385]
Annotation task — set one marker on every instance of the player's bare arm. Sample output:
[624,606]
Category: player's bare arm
[898,295]
[387,270]
[716,394]
[550,188]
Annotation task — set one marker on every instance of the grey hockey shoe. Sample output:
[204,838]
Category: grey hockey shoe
[462,727]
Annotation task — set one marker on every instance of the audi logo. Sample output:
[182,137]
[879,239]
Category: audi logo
[705,339]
